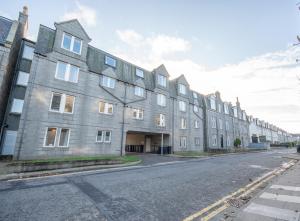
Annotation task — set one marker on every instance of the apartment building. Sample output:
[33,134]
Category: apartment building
[69,98]
[11,34]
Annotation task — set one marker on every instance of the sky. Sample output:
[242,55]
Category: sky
[240,48]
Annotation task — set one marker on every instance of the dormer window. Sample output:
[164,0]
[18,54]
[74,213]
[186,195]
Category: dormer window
[195,95]
[213,102]
[220,108]
[139,73]
[182,89]
[71,43]
[110,61]
[226,108]
[108,82]
[162,80]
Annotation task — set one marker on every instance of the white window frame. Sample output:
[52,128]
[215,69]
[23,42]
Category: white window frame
[103,136]
[62,104]
[182,106]
[197,141]
[161,100]
[24,74]
[195,96]
[15,100]
[138,111]
[139,91]
[213,122]
[161,120]
[72,43]
[220,108]
[227,125]
[182,89]
[162,80]
[111,82]
[183,142]
[69,133]
[228,141]
[214,140]
[197,124]
[220,124]
[28,48]
[67,73]
[196,109]
[226,109]
[212,103]
[45,137]
[183,123]
[106,107]
[107,63]
[139,72]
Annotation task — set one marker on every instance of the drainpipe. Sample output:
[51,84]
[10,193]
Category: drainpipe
[162,144]
[123,122]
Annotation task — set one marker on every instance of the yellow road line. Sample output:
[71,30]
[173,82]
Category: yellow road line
[214,213]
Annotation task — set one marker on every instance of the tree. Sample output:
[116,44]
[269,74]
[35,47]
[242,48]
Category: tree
[237,142]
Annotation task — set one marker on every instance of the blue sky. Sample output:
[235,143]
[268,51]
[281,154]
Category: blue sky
[241,48]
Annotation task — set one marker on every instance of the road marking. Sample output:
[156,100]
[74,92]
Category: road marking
[273,212]
[240,193]
[214,213]
[291,188]
[284,198]
[259,167]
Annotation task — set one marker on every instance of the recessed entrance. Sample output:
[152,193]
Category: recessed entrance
[141,142]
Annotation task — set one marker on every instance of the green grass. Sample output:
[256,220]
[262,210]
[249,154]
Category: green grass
[191,153]
[118,159]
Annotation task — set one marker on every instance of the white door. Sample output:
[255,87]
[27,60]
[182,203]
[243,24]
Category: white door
[9,142]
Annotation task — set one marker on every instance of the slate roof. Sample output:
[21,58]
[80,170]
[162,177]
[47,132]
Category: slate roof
[45,40]
[5,25]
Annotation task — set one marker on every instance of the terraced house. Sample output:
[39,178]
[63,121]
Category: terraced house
[70,98]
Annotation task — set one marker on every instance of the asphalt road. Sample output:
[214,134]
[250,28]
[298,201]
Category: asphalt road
[157,191]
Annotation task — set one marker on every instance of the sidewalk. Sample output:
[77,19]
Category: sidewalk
[280,200]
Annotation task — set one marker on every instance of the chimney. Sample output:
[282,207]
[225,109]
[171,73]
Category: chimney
[23,19]
[237,102]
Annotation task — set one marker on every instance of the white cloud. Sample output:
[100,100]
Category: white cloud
[267,85]
[84,14]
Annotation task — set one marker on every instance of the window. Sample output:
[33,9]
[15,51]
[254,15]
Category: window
[196,109]
[197,124]
[108,82]
[182,89]
[22,78]
[28,52]
[50,137]
[105,108]
[214,140]
[235,112]
[244,116]
[64,137]
[161,100]
[182,142]
[139,91]
[220,108]
[139,72]
[213,122]
[220,124]
[17,106]
[227,125]
[52,133]
[183,123]
[103,136]
[195,95]
[66,72]
[162,80]
[138,114]
[228,141]
[71,43]
[110,61]
[182,106]
[213,102]
[197,141]
[62,103]
[161,120]
[226,108]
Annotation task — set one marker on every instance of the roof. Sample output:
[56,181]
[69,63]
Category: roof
[5,25]
[73,21]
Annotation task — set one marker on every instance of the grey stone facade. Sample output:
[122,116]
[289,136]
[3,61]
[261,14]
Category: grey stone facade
[114,106]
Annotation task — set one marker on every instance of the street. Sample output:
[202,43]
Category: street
[159,191]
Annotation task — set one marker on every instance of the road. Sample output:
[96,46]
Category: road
[158,191]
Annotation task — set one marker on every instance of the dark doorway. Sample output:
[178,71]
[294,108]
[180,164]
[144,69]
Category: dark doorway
[222,141]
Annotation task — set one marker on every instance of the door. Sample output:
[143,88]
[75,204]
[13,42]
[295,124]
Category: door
[148,144]
[222,141]
[9,142]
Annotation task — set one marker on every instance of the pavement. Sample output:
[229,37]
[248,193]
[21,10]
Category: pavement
[279,200]
[154,191]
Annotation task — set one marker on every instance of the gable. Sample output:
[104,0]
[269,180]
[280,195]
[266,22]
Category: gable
[162,70]
[73,27]
[182,80]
